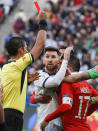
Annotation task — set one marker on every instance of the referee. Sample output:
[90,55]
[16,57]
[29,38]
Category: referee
[14,75]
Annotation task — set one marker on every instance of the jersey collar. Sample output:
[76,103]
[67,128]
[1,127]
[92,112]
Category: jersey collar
[48,73]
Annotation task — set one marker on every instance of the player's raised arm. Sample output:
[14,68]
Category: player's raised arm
[41,37]
[56,80]
[77,77]
[85,75]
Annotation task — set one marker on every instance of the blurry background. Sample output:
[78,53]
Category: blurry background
[70,22]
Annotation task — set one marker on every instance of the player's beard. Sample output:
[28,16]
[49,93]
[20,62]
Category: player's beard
[51,68]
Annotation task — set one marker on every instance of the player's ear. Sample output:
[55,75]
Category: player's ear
[20,51]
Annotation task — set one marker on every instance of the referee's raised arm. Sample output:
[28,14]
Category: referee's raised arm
[14,75]
[41,37]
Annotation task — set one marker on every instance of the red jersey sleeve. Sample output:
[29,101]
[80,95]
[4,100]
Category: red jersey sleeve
[66,95]
[66,89]
[32,98]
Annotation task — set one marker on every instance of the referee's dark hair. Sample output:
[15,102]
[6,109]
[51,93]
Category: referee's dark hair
[74,63]
[14,44]
[50,48]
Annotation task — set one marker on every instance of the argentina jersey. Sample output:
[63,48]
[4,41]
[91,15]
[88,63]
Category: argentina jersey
[46,109]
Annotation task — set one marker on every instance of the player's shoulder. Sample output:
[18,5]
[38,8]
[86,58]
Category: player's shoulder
[42,72]
[43,76]
[65,84]
[80,84]
[86,83]
[8,64]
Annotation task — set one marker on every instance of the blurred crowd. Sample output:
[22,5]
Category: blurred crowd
[6,6]
[70,22]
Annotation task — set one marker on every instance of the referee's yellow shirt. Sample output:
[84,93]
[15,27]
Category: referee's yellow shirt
[0,87]
[14,80]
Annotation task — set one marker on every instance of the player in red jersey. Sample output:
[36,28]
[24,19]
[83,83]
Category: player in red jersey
[73,103]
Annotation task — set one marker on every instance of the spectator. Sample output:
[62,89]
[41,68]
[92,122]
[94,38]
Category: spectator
[19,25]
[73,22]
[21,14]
[7,5]
[8,37]
[2,15]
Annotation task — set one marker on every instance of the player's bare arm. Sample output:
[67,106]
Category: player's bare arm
[77,77]
[41,98]
[67,53]
[96,99]
[41,37]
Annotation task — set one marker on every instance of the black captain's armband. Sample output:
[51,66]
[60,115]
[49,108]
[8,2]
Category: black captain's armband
[32,57]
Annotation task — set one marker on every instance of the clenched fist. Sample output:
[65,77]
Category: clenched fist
[42,15]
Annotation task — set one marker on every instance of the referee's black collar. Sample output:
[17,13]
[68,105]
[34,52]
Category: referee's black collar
[9,61]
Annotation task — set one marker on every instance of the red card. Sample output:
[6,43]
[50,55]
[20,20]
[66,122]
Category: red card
[37,6]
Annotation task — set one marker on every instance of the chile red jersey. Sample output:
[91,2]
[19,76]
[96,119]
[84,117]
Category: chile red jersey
[79,94]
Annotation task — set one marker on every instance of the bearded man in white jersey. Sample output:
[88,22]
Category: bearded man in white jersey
[50,78]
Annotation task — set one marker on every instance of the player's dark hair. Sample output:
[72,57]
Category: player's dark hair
[63,47]
[50,48]
[71,54]
[74,63]
[14,44]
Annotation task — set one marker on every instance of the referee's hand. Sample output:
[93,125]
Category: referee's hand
[42,15]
